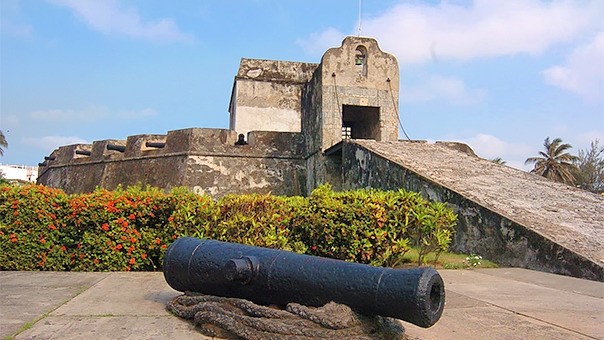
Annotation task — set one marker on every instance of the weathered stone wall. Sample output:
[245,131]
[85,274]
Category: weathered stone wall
[267,95]
[491,221]
[204,160]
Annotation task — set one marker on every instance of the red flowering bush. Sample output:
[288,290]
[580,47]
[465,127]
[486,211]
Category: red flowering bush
[130,229]
[33,234]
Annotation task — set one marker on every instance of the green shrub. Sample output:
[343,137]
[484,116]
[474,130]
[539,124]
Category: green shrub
[130,229]
[371,226]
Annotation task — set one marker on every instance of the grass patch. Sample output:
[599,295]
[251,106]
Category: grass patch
[447,260]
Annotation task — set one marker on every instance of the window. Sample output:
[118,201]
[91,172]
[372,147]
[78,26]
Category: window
[360,60]
[346,131]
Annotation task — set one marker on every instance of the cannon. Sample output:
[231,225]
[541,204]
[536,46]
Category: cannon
[116,147]
[270,276]
[83,152]
[157,145]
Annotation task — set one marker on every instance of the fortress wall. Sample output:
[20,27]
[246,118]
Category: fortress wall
[480,229]
[220,175]
[204,160]
[266,95]
[312,121]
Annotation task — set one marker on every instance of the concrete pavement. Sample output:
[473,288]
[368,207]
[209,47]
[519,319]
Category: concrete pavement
[507,303]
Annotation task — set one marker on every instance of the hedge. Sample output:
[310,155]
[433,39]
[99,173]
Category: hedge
[129,229]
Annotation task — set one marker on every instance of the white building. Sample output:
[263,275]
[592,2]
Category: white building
[20,172]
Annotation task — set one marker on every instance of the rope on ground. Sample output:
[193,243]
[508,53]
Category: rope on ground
[237,318]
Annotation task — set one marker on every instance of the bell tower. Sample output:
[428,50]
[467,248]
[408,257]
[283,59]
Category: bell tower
[353,95]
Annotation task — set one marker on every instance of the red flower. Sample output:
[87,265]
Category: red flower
[313,248]
[95,261]
[63,248]
[105,226]
[42,240]
[157,240]
[52,227]
[119,246]
[132,216]
[132,261]
[143,256]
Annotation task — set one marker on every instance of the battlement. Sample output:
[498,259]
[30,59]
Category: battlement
[201,159]
[275,70]
[194,141]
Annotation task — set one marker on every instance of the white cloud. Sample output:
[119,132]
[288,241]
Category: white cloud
[109,18]
[450,89]
[8,121]
[583,71]
[584,139]
[418,32]
[49,143]
[317,43]
[88,114]
[16,29]
[490,147]
[148,112]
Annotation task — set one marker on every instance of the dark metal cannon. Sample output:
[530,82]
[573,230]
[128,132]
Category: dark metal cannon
[116,147]
[83,152]
[269,276]
[157,145]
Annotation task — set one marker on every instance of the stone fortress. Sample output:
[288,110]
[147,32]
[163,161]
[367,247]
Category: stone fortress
[337,122]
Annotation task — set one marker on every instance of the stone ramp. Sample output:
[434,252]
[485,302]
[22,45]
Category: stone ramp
[570,217]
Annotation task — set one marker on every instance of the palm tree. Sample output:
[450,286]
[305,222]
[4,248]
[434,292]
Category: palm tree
[554,163]
[3,143]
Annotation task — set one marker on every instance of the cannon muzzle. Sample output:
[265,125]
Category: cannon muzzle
[269,276]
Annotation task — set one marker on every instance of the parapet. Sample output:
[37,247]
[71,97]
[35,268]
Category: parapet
[275,70]
[193,141]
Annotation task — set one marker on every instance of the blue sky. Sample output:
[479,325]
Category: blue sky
[500,75]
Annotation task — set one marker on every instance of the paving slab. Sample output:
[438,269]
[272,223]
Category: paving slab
[517,304]
[566,283]
[112,327]
[26,296]
[121,306]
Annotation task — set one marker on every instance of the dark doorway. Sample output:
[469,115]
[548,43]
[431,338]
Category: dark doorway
[360,122]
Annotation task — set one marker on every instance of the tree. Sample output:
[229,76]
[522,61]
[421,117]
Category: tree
[589,173]
[498,160]
[3,143]
[555,162]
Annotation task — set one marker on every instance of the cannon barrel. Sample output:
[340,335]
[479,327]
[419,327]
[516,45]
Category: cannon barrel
[157,145]
[269,276]
[116,147]
[83,152]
